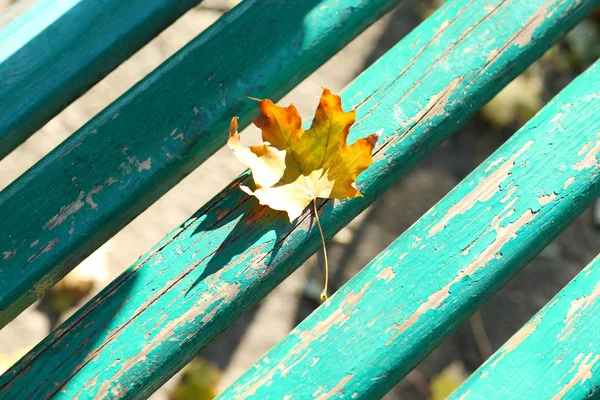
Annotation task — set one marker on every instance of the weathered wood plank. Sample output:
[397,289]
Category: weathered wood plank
[56,50]
[416,292]
[126,157]
[155,317]
[557,352]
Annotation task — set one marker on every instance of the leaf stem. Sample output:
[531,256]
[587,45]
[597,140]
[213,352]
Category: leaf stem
[324,292]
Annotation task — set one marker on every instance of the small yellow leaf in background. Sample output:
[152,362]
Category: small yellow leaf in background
[450,378]
[199,382]
[294,167]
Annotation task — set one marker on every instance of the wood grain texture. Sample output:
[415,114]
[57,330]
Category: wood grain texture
[155,317]
[393,313]
[56,50]
[557,352]
[131,153]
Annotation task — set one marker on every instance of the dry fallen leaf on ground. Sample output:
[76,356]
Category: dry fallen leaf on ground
[294,167]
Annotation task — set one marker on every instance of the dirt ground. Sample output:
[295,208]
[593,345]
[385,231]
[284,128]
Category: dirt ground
[254,334]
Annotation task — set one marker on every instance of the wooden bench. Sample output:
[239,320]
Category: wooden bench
[152,320]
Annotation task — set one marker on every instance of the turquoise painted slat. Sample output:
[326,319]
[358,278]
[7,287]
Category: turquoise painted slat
[140,146]
[394,312]
[57,49]
[156,316]
[557,352]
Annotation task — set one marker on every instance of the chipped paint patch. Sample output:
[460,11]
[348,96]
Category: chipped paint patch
[590,159]
[336,389]
[584,372]
[556,117]
[503,235]
[547,198]
[437,103]
[568,183]
[89,199]
[338,317]
[146,165]
[386,274]
[577,309]
[65,212]
[223,293]
[7,255]
[48,247]
[464,396]
[250,388]
[509,195]
[516,340]
[523,36]
[584,148]
[484,191]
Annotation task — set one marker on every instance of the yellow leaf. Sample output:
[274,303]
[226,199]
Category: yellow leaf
[450,378]
[293,167]
[199,382]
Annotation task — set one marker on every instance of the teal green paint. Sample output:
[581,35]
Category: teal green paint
[57,49]
[140,146]
[394,312]
[31,23]
[554,356]
[155,317]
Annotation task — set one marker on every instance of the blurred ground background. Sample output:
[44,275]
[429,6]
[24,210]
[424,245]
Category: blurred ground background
[253,335]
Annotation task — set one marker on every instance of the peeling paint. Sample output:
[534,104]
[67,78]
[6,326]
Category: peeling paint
[146,165]
[437,103]
[483,192]
[516,340]
[65,212]
[547,198]
[45,249]
[568,183]
[590,159]
[523,37]
[583,373]
[584,148]
[550,366]
[338,317]
[503,235]
[89,198]
[576,310]
[336,389]
[224,293]
[464,396]
[509,195]
[386,274]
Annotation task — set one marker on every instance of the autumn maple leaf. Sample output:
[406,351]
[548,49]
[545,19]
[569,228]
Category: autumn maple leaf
[293,167]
